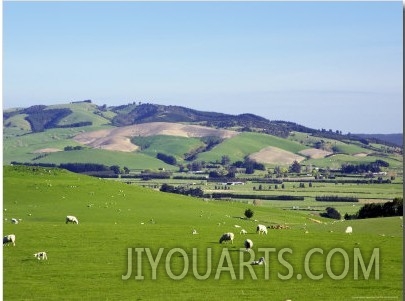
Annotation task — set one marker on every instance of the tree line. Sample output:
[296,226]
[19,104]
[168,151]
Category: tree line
[373,210]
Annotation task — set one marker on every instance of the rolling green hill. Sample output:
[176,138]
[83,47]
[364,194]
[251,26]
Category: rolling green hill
[39,134]
[169,145]
[88,261]
[240,146]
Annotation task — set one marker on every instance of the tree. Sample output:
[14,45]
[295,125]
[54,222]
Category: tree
[167,158]
[225,160]
[249,213]
[295,167]
[331,213]
[249,169]
[116,169]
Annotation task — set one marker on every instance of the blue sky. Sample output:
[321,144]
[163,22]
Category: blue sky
[332,65]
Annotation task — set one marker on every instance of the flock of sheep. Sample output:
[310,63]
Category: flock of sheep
[10,238]
[229,237]
[260,229]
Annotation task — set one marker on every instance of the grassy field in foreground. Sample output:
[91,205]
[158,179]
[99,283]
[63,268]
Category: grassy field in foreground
[87,261]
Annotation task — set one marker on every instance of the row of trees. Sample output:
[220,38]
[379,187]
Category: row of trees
[196,192]
[365,167]
[391,208]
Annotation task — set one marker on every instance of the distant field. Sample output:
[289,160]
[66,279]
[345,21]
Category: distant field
[246,143]
[169,145]
[336,161]
[364,192]
[92,257]
[82,112]
[341,146]
[109,158]
[118,138]
[22,148]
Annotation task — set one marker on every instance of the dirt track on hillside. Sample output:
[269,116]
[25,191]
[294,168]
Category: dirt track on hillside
[118,139]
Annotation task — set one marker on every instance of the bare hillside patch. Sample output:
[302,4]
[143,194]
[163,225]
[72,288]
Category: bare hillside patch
[315,153]
[275,155]
[361,155]
[46,150]
[118,139]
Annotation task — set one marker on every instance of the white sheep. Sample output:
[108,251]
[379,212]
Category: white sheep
[259,262]
[261,229]
[248,244]
[227,237]
[14,221]
[9,239]
[349,230]
[195,232]
[41,255]
[71,219]
[243,231]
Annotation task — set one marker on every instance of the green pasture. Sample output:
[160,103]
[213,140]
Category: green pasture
[22,148]
[82,112]
[88,261]
[247,143]
[364,192]
[133,160]
[168,145]
[18,125]
[336,161]
[351,148]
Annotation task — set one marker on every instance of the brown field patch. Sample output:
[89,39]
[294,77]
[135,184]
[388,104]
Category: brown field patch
[275,155]
[315,153]
[361,155]
[369,201]
[46,150]
[118,139]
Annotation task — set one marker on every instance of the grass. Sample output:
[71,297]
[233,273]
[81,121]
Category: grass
[109,158]
[247,143]
[87,261]
[22,148]
[346,148]
[168,145]
[81,112]
[336,161]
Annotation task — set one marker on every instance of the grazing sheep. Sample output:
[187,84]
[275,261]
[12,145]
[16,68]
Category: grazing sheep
[237,226]
[261,229]
[243,231]
[278,227]
[259,262]
[9,239]
[14,221]
[71,219]
[349,230]
[227,237]
[195,231]
[248,244]
[41,255]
